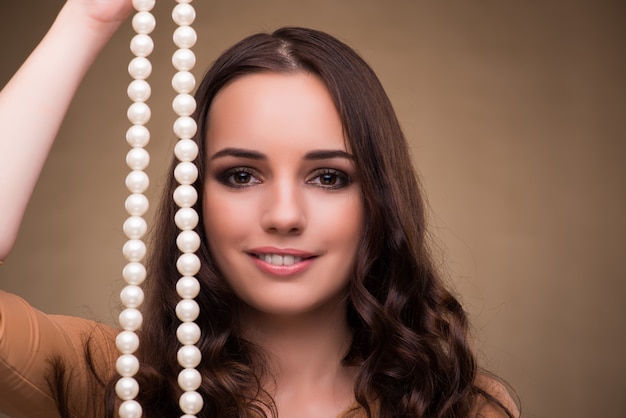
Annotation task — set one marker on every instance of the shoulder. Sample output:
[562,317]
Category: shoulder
[31,342]
[24,328]
[498,391]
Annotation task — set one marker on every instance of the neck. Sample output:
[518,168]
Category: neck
[307,345]
[302,349]
[304,354]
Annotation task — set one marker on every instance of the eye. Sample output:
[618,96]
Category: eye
[329,178]
[239,177]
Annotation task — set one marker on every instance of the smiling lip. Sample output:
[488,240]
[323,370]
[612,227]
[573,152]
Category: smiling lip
[281,261]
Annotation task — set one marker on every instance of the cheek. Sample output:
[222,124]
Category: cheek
[226,220]
[339,223]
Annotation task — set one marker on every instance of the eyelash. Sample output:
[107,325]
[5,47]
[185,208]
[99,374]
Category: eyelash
[340,178]
[228,177]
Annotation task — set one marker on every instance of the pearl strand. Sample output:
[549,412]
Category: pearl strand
[136,205]
[186,218]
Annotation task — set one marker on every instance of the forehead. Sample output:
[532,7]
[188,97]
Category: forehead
[268,107]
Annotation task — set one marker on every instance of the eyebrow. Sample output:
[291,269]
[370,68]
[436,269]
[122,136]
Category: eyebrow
[327,154]
[238,152]
[255,155]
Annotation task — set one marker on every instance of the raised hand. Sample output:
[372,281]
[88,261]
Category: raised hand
[99,13]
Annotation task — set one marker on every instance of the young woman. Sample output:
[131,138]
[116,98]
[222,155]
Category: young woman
[319,296]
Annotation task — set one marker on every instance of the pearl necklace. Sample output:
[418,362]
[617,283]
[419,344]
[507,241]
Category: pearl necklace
[185,196]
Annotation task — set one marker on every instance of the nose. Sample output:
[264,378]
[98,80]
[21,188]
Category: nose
[284,211]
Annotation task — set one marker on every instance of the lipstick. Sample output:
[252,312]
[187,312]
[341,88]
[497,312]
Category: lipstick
[281,261]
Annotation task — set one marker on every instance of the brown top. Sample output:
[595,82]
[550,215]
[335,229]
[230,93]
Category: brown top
[30,340]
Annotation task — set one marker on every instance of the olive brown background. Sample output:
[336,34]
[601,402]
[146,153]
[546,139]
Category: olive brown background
[515,112]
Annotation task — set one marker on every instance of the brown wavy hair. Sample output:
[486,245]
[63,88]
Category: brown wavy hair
[410,334]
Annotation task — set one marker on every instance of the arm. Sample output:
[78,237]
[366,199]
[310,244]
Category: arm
[35,100]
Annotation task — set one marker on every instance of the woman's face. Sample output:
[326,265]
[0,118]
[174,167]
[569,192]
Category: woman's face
[282,206]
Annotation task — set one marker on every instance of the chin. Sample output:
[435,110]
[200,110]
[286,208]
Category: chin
[292,307]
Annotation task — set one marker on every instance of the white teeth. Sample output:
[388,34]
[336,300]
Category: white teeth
[280,260]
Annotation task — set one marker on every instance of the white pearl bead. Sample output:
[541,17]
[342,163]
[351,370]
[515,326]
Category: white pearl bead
[187,310]
[188,264]
[126,388]
[138,136]
[143,5]
[183,14]
[184,104]
[139,113]
[134,250]
[186,150]
[185,37]
[142,45]
[130,409]
[144,22]
[139,90]
[130,319]
[135,227]
[185,196]
[131,296]
[185,127]
[127,365]
[140,68]
[183,82]
[190,402]
[137,159]
[127,342]
[137,181]
[134,273]
[186,218]
[188,241]
[186,172]
[189,356]
[188,287]
[189,379]
[136,204]
[188,333]
[184,59]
